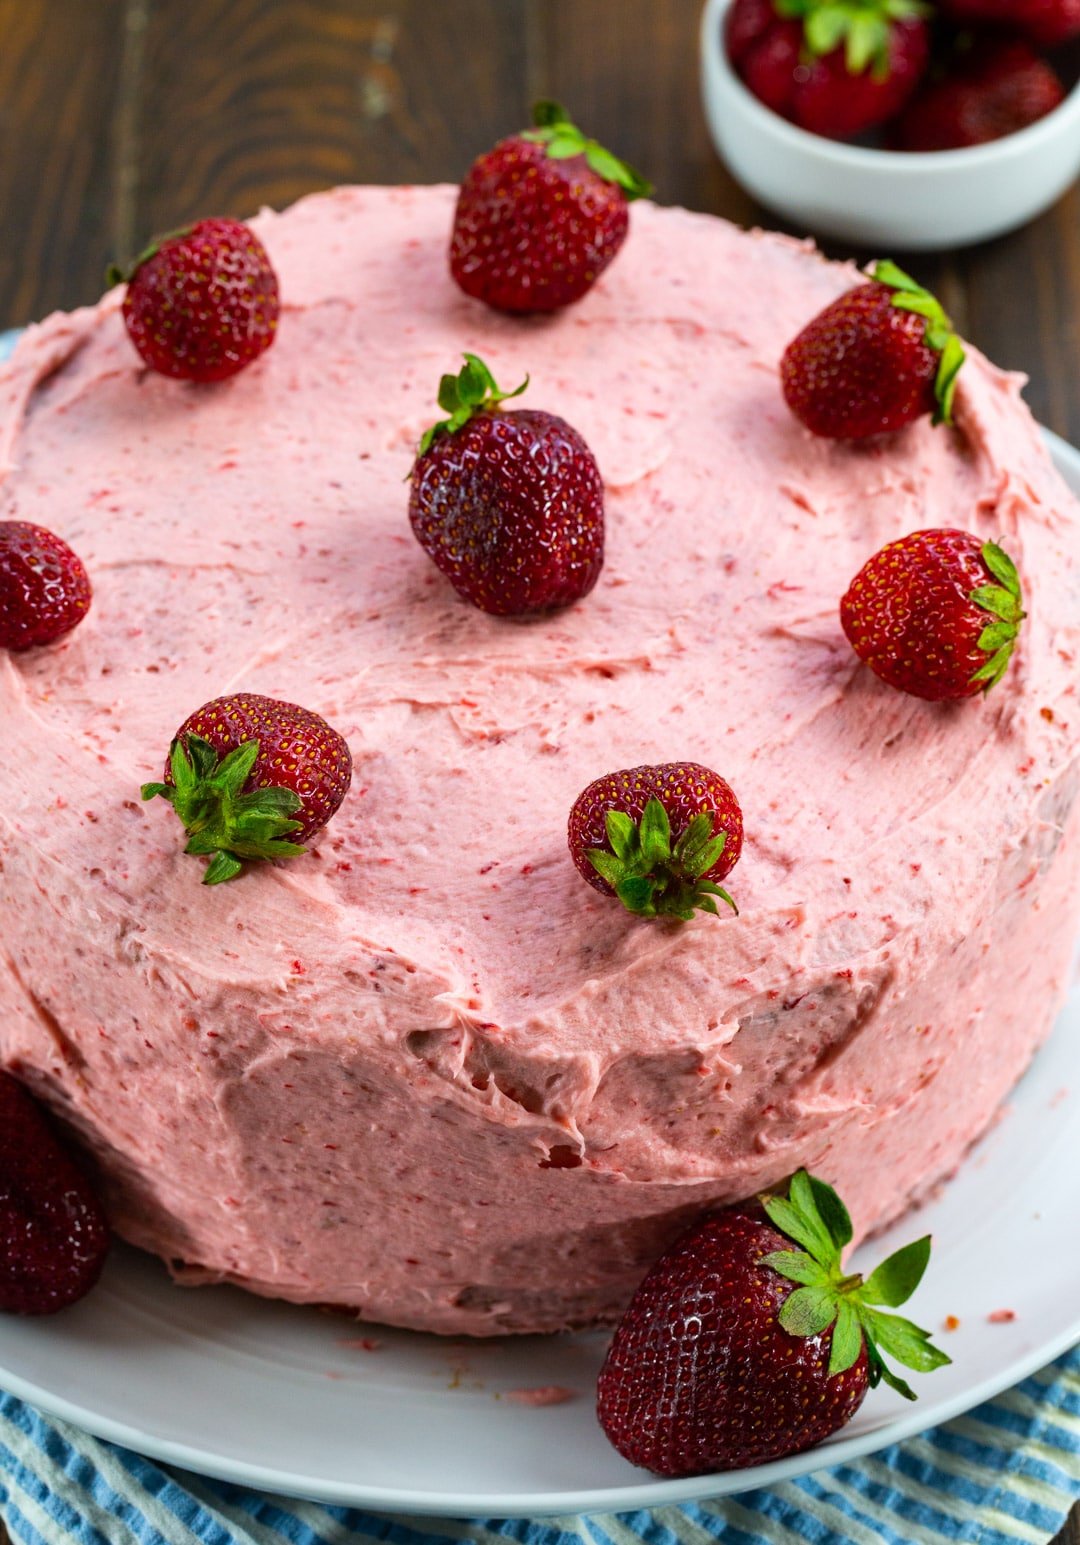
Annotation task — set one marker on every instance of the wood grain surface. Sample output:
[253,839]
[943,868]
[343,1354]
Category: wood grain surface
[121,118]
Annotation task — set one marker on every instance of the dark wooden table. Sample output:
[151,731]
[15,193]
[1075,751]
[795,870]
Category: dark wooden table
[121,118]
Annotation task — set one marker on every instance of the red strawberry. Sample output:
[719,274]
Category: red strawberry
[1001,88]
[1045,22]
[44,588]
[874,360]
[202,303]
[660,838]
[53,1233]
[935,614]
[251,777]
[510,506]
[541,216]
[836,69]
[719,1362]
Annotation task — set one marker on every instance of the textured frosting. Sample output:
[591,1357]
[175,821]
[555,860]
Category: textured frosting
[426,1071]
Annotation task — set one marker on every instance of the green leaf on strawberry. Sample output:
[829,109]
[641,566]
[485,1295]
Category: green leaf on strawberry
[473,390]
[651,876]
[207,793]
[561,137]
[814,1216]
[940,335]
[863,28]
[114,274]
[1004,603]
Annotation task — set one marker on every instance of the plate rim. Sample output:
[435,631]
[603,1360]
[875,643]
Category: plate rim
[650,1491]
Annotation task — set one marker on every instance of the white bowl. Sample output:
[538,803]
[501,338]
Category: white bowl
[883,198]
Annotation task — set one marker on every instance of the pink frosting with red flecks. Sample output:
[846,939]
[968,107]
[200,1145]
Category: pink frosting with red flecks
[426,1071]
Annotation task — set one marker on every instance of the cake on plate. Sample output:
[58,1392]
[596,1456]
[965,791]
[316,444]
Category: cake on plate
[424,1072]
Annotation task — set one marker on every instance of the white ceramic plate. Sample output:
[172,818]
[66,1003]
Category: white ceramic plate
[276,1397]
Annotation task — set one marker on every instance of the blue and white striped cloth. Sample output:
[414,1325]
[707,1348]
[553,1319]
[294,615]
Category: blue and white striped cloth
[1006,1473]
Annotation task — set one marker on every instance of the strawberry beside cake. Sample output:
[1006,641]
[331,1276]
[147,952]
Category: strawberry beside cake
[424,1071]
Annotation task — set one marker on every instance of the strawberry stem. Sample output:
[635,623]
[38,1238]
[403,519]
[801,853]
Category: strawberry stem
[1003,602]
[863,28]
[114,274]
[814,1216]
[652,877]
[939,334]
[563,139]
[473,390]
[221,820]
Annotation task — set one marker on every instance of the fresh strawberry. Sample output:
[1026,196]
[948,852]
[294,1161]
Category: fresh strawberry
[1045,22]
[44,588]
[250,778]
[1001,88]
[541,216]
[721,1361]
[660,838]
[53,1233]
[935,614]
[835,67]
[201,303]
[510,506]
[873,361]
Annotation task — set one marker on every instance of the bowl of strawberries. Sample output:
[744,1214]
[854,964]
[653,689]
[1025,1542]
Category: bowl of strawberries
[905,123]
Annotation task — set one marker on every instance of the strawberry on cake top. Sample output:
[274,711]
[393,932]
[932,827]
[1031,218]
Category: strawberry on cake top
[424,1071]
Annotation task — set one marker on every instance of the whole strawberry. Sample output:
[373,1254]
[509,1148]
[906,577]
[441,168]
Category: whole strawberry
[660,838]
[936,614]
[44,588]
[541,216]
[1047,23]
[509,505]
[202,303]
[53,1233]
[873,361]
[834,69]
[722,1361]
[253,778]
[1001,88]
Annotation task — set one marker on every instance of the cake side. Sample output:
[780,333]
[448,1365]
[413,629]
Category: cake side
[425,1072]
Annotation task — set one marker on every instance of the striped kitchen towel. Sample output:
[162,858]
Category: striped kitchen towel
[1006,1473]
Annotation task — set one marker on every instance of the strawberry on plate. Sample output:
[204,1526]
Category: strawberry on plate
[201,303]
[936,614]
[748,1341]
[659,838]
[1046,23]
[540,216]
[44,587]
[251,777]
[54,1236]
[875,360]
[1001,87]
[834,67]
[508,505]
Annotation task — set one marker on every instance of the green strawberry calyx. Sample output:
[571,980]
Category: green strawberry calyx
[863,28]
[114,274]
[207,793]
[651,876]
[940,335]
[473,390]
[1004,602]
[563,139]
[814,1217]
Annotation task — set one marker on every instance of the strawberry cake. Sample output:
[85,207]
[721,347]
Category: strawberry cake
[424,1072]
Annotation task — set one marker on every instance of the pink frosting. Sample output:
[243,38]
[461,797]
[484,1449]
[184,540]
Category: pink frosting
[427,1072]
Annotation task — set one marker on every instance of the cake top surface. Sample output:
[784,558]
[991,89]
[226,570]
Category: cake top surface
[253,536]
